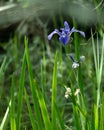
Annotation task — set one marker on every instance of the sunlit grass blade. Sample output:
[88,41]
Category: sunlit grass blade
[12,108]
[5,119]
[102,58]
[30,111]
[32,85]
[20,94]
[98,61]
[96,116]
[54,89]
[97,53]
[3,125]
[43,108]
[61,122]
[101,125]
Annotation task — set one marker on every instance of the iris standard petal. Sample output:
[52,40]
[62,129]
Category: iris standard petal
[64,40]
[56,31]
[75,30]
[67,28]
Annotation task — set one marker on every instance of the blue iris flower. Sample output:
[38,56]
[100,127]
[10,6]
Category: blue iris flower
[65,33]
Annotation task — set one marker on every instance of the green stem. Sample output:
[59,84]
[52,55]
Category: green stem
[77,55]
[80,81]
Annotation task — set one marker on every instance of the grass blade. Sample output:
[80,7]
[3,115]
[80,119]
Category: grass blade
[102,114]
[62,127]
[43,76]
[12,108]
[96,117]
[30,111]
[5,120]
[44,110]
[76,118]
[2,67]
[20,94]
[54,89]
[102,58]
[32,85]
[94,52]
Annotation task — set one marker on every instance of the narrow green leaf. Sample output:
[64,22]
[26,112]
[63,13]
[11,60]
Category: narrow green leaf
[2,67]
[76,118]
[61,123]
[20,94]
[94,52]
[54,89]
[32,85]
[30,111]
[3,125]
[96,117]
[102,114]
[43,76]
[77,54]
[102,58]
[5,119]
[12,108]
[44,110]
[97,54]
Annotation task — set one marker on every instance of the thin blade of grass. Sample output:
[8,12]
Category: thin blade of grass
[61,123]
[43,108]
[102,114]
[20,94]
[102,58]
[3,125]
[43,76]
[12,108]
[2,67]
[30,111]
[5,119]
[97,54]
[76,118]
[96,117]
[94,52]
[32,85]
[77,54]
[54,89]
[92,121]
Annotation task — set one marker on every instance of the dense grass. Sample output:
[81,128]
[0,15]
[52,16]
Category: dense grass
[40,77]
[84,115]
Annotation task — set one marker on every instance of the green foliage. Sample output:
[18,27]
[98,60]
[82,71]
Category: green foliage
[41,90]
[12,108]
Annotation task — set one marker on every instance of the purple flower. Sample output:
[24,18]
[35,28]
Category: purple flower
[65,33]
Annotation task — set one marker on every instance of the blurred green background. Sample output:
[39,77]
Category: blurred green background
[36,19]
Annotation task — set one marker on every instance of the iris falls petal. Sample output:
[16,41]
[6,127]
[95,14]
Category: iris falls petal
[64,40]
[75,30]
[56,31]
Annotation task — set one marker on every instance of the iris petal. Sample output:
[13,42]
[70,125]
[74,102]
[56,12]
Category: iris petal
[64,40]
[67,28]
[65,33]
[56,31]
[75,30]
